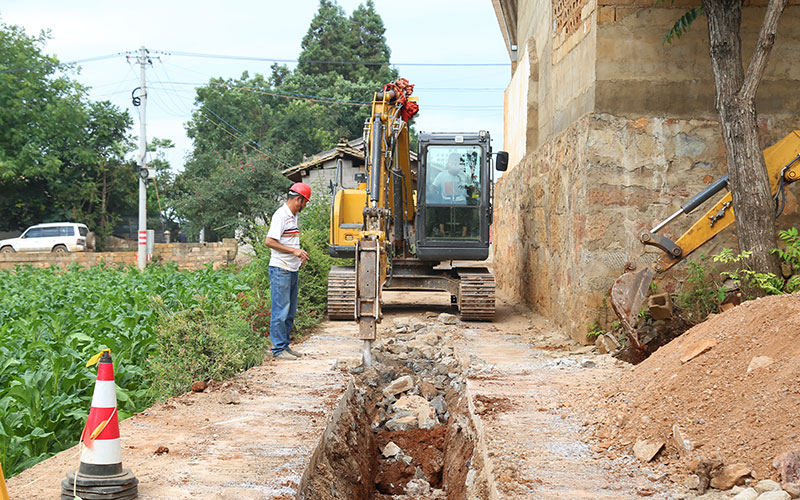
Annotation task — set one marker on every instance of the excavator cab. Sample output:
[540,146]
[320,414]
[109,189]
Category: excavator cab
[454,196]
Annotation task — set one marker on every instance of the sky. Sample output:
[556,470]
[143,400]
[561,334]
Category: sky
[451,50]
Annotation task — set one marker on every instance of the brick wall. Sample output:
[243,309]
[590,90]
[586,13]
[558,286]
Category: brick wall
[188,256]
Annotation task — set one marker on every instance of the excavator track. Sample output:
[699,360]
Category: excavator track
[477,296]
[342,293]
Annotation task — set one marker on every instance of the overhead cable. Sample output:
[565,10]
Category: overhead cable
[292,61]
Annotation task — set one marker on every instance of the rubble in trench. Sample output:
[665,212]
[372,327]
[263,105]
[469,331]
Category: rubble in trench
[402,430]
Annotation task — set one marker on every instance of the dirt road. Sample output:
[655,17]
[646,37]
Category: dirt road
[252,437]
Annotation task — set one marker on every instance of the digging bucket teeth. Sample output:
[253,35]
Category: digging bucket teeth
[628,295]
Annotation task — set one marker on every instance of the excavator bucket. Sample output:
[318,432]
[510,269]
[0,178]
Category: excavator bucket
[628,294]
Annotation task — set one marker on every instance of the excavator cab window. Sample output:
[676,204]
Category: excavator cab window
[453,192]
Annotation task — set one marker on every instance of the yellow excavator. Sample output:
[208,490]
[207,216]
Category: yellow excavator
[401,224]
[629,291]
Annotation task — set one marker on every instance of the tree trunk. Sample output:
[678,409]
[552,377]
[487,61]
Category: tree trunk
[752,199]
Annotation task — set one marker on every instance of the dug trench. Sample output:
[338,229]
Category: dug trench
[402,429]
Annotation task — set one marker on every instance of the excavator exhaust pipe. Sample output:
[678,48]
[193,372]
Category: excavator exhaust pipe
[628,295]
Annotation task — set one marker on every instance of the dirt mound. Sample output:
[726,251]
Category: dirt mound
[730,384]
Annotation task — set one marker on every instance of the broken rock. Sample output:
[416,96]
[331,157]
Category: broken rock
[606,343]
[759,362]
[419,406]
[390,450]
[683,444]
[747,494]
[774,495]
[788,466]
[729,476]
[403,423]
[448,319]
[793,489]
[767,485]
[399,385]
[646,449]
[698,349]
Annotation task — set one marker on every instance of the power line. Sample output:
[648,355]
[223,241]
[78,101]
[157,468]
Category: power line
[261,148]
[59,64]
[344,63]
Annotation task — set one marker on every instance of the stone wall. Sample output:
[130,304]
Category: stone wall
[567,218]
[187,256]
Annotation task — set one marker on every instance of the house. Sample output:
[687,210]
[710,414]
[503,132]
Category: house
[319,171]
[609,130]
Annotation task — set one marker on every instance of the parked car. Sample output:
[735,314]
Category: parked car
[59,237]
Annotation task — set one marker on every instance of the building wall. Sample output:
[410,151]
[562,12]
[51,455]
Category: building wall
[617,131]
[638,75]
[321,176]
[607,56]
[569,215]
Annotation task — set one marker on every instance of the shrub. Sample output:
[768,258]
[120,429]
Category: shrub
[700,293]
[203,343]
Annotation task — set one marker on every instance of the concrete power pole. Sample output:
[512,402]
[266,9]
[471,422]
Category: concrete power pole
[143,172]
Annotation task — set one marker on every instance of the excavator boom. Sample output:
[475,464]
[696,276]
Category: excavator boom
[629,291]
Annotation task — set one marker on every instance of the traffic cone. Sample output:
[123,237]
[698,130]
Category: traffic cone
[100,475]
[3,490]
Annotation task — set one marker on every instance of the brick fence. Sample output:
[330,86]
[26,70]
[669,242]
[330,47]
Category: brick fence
[188,256]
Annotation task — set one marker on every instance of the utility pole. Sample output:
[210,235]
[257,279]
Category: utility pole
[143,60]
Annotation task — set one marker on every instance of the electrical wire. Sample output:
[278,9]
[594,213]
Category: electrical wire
[247,142]
[344,63]
[62,64]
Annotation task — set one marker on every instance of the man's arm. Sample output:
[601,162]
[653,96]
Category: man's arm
[277,245]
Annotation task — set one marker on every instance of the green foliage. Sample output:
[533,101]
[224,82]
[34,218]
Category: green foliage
[208,342]
[790,255]
[750,280]
[700,294]
[279,119]
[52,321]
[237,192]
[61,155]
[598,327]
[315,228]
[332,37]
[595,330]
[683,24]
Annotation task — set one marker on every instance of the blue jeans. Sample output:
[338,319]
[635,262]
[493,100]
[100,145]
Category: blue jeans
[283,298]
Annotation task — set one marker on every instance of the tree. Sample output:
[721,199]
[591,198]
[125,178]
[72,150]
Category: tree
[735,103]
[369,45]
[59,153]
[273,122]
[327,43]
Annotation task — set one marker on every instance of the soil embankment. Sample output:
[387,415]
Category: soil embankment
[730,386]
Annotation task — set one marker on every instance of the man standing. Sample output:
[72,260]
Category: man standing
[283,238]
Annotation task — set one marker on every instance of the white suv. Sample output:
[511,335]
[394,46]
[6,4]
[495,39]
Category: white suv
[59,237]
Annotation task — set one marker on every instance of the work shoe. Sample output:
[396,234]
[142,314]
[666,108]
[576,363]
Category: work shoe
[285,354]
[292,352]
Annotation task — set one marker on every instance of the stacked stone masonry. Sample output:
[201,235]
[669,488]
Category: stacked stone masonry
[187,256]
[569,214]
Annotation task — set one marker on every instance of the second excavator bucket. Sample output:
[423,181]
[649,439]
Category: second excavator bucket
[628,295]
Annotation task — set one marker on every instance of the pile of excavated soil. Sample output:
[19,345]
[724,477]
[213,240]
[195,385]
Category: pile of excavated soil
[731,384]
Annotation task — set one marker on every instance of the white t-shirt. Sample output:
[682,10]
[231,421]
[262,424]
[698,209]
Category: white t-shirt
[283,228]
[451,187]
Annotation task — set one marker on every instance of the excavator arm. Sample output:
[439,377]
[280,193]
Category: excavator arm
[389,201]
[629,291]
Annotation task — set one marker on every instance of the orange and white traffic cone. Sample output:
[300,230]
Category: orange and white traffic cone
[100,475]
